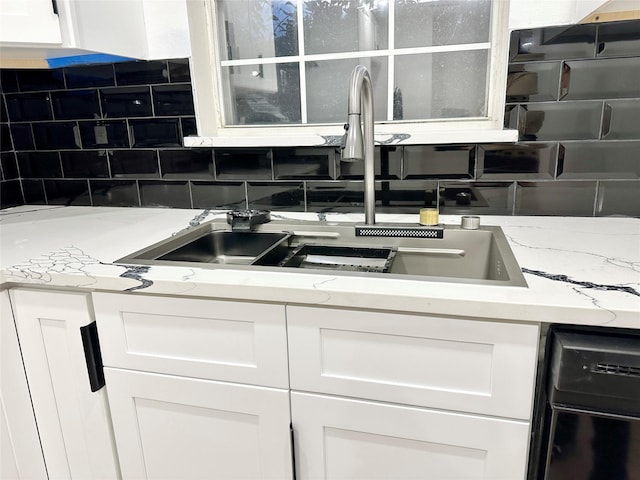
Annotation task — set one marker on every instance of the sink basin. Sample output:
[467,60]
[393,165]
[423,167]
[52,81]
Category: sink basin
[481,256]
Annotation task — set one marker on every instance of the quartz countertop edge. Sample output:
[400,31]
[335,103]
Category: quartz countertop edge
[583,271]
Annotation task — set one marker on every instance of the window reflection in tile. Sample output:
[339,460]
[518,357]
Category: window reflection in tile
[134,163]
[488,198]
[90,76]
[141,73]
[604,78]
[172,100]
[219,195]
[11,194]
[10,167]
[533,82]
[104,134]
[407,196]
[192,164]
[161,132]
[39,165]
[285,196]
[524,160]
[387,164]
[34,192]
[114,193]
[24,107]
[291,163]
[623,124]
[555,198]
[84,164]
[605,160]
[164,194]
[618,198]
[126,102]
[22,136]
[553,43]
[240,164]
[76,104]
[439,161]
[562,121]
[619,39]
[330,196]
[67,192]
[56,136]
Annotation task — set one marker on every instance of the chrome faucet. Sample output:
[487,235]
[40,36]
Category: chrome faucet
[361,110]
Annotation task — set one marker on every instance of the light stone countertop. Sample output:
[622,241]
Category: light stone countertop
[579,270]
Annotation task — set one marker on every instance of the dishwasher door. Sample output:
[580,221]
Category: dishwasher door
[593,407]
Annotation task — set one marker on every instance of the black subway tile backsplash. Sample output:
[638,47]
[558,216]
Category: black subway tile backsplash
[157,132]
[67,192]
[112,134]
[230,195]
[172,100]
[90,76]
[141,73]
[56,135]
[135,164]
[39,164]
[85,164]
[126,102]
[29,106]
[75,104]
[188,164]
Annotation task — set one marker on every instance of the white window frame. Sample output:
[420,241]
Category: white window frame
[207,85]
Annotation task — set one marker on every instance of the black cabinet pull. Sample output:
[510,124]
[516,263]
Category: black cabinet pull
[91,345]
[293,451]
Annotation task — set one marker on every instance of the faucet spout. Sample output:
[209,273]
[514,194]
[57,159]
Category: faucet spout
[357,146]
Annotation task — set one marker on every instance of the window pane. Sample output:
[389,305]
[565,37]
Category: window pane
[262,94]
[328,88]
[345,25]
[257,28]
[422,23]
[441,85]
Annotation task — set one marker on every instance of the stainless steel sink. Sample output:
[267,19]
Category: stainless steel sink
[481,256]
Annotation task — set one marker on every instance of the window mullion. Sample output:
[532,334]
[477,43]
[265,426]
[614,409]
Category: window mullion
[301,64]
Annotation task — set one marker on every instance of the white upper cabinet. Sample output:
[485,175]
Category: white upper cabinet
[29,22]
[277,72]
[32,33]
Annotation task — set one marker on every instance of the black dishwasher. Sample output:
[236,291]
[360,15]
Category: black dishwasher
[589,409]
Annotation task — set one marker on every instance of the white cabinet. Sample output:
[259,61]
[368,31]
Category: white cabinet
[176,427]
[338,438]
[404,396]
[454,364]
[73,421]
[29,22]
[20,451]
[197,388]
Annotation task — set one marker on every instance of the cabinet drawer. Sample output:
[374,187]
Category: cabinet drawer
[218,340]
[465,365]
[339,438]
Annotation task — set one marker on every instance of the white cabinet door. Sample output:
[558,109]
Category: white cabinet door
[20,451]
[238,342]
[464,365]
[29,22]
[74,422]
[337,438]
[169,427]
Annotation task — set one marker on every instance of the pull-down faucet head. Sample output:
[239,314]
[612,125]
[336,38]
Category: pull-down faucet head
[356,147]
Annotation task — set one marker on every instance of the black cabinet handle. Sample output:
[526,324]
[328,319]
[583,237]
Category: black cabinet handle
[91,345]
[293,451]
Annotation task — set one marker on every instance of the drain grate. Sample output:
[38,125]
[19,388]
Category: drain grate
[614,369]
[398,231]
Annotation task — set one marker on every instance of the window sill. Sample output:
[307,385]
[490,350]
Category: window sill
[435,137]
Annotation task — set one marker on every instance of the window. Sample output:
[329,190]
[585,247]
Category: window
[286,63]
